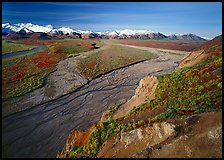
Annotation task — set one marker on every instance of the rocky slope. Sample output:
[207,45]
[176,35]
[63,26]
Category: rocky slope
[200,136]
[167,129]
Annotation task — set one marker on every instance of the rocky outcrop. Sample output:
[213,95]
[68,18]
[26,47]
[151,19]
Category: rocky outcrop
[145,91]
[204,140]
[129,137]
[198,136]
[137,140]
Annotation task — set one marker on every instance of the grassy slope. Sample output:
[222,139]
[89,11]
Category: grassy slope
[192,90]
[14,47]
[110,59]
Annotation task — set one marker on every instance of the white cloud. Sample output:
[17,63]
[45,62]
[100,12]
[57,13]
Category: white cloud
[85,4]
[111,27]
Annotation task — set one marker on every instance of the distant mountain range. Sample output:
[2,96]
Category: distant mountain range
[27,30]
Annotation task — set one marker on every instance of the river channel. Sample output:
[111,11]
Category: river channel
[39,48]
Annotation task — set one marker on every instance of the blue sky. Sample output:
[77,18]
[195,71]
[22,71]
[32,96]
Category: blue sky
[200,18]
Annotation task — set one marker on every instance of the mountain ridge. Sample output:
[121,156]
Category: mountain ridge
[26,28]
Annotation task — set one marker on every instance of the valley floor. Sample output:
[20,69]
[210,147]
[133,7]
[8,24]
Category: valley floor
[42,130]
[59,82]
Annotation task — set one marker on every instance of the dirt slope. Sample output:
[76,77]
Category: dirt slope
[76,138]
[145,90]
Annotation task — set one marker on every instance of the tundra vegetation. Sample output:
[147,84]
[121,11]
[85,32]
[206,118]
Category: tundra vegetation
[112,58]
[194,89]
[24,73]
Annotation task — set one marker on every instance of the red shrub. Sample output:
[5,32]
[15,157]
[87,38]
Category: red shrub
[34,60]
[89,47]
[21,74]
[45,63]
[13,68]
[90,65]
[18,77]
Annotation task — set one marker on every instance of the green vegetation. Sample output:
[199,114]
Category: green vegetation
[100,43]
[189,129]
[115,57]
[104,130]
[12,61]
[9,47]
[74,50]
[167,115]
[77,150]
[133,111]
[25,73]
[112,109]
[178,129]
[174,53]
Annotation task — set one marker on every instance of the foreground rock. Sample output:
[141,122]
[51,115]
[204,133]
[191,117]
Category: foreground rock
[200,136]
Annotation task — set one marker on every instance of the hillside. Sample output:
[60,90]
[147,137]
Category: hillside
[171,120]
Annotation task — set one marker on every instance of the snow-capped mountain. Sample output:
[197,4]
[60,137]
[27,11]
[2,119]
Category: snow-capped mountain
[112,33]
[84,32]
[65,30]
[25,31]
[29,28]
[133,32]
[10,27]
[36,28]
[128,32]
